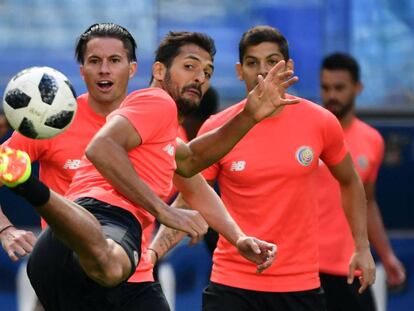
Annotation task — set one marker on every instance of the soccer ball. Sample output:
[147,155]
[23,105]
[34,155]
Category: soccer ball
[39,102]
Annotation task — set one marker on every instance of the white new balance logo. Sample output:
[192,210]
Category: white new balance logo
[169,149]
[72,164]
[238,166]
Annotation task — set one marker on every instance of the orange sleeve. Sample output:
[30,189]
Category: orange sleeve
[148,112]
[335,148]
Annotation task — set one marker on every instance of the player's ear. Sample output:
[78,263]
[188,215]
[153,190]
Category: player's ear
[239,71]
[132,69]
[359,87]
[158,71]
[82,74]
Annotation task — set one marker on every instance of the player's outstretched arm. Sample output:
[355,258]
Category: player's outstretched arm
[16,243]
[354,204]
[108,151]
[262,101]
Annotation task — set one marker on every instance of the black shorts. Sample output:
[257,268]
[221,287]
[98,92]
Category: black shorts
[341,296]
[217,297]
[60,282]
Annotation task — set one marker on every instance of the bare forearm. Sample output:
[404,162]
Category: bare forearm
[4,221]
[165,239]
[205,200]
[376,232]
[207,149]
[354,203]
[116,167]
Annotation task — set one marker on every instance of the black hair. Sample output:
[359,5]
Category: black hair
[170,45]
[342,61]
[260,34]
[106,30]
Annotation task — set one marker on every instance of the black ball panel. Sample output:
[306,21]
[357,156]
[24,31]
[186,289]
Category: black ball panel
[60,119]
[17,99]
[27,128]
[48,87]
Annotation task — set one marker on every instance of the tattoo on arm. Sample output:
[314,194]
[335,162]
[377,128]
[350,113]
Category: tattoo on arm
[168,240]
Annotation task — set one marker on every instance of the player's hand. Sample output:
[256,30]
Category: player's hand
[395,271]
[260,252]
[268,95]
[189,221]
[362,261]
[17,243]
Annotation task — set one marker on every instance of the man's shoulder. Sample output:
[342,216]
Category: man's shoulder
[366,130]
[154,96]
[306,106]
[153,92]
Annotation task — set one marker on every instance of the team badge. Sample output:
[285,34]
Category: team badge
[304,155]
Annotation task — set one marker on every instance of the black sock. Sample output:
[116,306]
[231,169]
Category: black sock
[33,190]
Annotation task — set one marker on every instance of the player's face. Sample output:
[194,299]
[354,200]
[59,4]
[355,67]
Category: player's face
[258,60]
[188,77]
[338,91]
[107,70]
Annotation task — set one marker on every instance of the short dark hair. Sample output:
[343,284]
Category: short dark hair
[260,34]
[170,45]
[342,61]
[106,30]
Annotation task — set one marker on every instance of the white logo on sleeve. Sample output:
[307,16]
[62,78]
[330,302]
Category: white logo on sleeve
[72,164]
[169,149]
[136,257]
[238,166]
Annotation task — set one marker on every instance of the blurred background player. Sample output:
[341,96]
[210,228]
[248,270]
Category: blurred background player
[103,254]
[340,84]
[266,183]
[106,54]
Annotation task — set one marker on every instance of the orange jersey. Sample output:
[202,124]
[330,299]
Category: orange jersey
[366,147]
[153,113]
[266,183]
[59,157]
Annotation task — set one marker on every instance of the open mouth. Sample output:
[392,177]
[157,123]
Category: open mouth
[105,84]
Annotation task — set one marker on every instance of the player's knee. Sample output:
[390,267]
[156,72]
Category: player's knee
[109,269]
[104,272]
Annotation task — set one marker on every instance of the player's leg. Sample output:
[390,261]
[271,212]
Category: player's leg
[218,297]
[56,273]
[143,296]
[103,260]
[340,296]
[307,300]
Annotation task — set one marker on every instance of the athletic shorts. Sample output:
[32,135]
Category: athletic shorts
[341,296]
[61,284]
[218,297]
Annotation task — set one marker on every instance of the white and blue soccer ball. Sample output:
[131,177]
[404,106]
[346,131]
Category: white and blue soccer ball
[39,102]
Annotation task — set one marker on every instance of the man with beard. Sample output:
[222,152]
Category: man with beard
[93,245]
[340,85]
[267,183]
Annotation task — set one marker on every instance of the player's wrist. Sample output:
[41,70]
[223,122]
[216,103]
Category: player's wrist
[247,117]
[362,245]
[155,256]
[5,228]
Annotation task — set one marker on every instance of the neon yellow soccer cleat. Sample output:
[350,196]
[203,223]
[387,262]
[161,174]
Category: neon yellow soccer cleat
[15,166]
